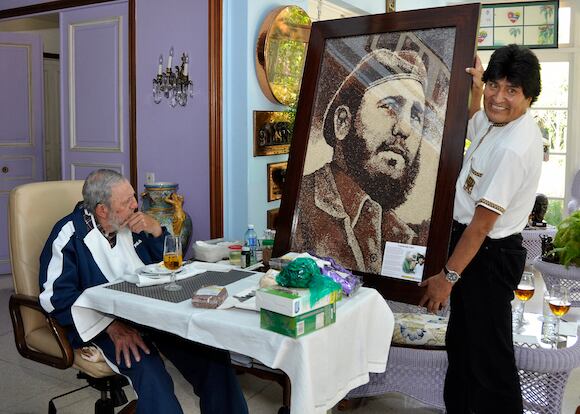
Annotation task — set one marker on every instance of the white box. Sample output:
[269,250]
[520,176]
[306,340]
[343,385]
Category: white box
[292,301]
[211,250]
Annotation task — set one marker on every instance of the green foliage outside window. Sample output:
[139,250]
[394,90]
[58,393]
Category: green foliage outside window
[554,214]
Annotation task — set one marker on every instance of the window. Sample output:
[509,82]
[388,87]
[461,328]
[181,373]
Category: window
[551,113]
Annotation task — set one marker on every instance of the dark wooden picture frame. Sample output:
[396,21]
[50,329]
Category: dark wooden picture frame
[533,24]
[272,132]
[276,179]
[340,48]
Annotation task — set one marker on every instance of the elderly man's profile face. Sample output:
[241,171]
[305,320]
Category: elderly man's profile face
[123,204]
[390,123]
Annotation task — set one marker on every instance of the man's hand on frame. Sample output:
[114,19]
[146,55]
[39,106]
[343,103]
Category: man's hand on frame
[437,294]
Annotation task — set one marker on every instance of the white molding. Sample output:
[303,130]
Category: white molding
[117,21]
[94,166]
[30,142]
[29,178]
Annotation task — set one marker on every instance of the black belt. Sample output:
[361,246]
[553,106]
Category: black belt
[458,228]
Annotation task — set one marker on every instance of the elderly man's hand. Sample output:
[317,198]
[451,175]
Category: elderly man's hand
[437,294]
[140,221]
[127,341]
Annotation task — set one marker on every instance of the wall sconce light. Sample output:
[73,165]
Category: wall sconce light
[175,86]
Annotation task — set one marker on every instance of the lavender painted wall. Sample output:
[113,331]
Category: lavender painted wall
[173,143]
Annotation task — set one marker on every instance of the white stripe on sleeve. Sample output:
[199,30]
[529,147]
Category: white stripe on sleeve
[55,265]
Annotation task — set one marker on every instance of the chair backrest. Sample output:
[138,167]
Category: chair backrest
[33,211]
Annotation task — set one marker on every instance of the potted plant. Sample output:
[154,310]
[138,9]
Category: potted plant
[566,244]
[560,259]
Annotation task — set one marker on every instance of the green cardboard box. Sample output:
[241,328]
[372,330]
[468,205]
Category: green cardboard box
[292,301]
[300,325]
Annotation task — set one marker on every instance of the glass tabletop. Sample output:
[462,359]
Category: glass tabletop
[531,332]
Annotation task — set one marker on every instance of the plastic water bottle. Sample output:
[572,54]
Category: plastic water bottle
[251,240]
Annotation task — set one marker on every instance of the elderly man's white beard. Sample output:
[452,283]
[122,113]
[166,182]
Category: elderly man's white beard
[116,223]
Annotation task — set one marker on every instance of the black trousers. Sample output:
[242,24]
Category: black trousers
[482,376]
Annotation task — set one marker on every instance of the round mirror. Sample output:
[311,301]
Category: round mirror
[281,51]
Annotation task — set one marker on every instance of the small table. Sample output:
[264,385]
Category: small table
[322,366]
[420,373]
[544,370]
[532,241]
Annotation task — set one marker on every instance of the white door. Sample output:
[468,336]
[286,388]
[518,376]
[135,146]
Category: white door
[94,90]
[21,122]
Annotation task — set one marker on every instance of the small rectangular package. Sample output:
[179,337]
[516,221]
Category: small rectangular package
[209,297]
[292,301]
[299,325]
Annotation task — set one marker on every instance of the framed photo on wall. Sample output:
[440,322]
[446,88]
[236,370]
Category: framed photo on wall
[276,179]
[272,132]
[272,218]
[378,144]
[533,24]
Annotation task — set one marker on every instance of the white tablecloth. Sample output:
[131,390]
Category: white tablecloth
[322,366]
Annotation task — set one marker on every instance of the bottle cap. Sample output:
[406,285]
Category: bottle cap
[268,242]
[235,247]
[250,226]
[246,248]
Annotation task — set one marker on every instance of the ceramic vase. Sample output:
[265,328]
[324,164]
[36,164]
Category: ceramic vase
[162,201]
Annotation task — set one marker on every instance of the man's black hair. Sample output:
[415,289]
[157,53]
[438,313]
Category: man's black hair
[519,65]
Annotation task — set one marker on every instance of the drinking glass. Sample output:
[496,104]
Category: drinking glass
[559,305]
[523,292]
[172,259]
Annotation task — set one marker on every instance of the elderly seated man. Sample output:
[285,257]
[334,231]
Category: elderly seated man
[103,238]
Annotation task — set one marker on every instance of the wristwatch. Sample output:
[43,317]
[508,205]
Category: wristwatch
[450,275]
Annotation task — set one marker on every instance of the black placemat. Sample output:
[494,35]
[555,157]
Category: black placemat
[190,285]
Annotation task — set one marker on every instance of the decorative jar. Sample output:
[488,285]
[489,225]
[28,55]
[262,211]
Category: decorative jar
[162,201]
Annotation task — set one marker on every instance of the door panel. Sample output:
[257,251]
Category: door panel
[21,115]
[95,116]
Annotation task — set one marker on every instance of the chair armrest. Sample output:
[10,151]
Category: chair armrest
[18,301]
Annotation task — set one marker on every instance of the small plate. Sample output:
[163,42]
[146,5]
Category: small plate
[156,270]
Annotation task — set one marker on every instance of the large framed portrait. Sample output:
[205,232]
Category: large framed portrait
[378,144]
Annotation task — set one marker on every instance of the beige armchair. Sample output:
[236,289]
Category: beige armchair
[33,210]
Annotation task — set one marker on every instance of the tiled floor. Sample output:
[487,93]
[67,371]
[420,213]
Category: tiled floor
[26,386]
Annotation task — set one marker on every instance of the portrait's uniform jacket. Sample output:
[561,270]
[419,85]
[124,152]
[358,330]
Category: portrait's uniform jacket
[355,232]
[75,259]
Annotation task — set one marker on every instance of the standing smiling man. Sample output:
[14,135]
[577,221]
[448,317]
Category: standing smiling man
[494,195]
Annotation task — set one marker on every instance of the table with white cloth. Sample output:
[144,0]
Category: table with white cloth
[322,366]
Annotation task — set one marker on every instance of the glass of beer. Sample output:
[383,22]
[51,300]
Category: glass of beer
[523,292]
[172,259]
[559,304]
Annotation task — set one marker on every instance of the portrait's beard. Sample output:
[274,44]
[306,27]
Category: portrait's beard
[389,192]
